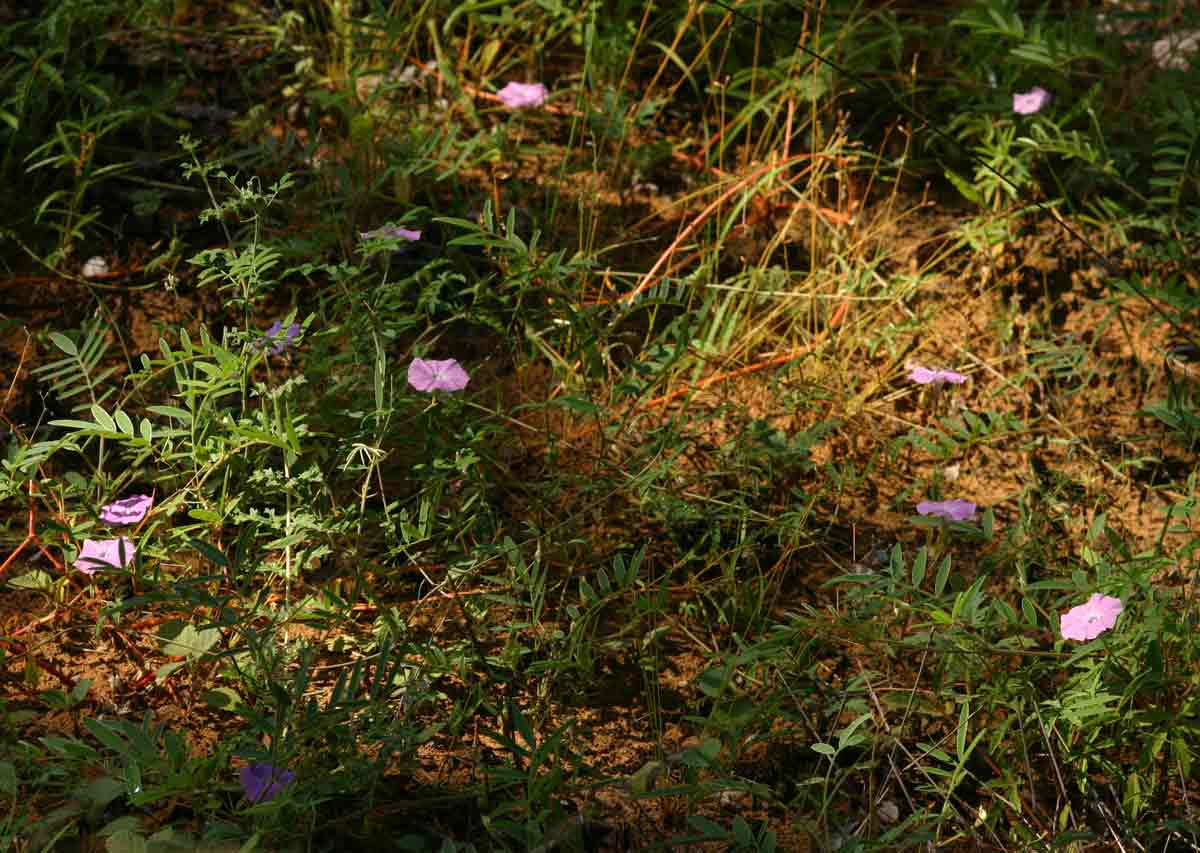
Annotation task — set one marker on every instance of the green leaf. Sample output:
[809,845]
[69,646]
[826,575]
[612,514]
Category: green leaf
[1181,753]
[1134,800]
[36,579]
[1029,611]
[964,186]
[80,426]
[742,833]
[172,412]
[210,552]
[163,672]
[943,574]
[845,735]
[80,690]
[964,717]
[578,404]
[105,732]
[8,779]
[222,698]
[124,823]
[64,343]
[713,681]
[703,755]
[644,779]
[103,419]
[824,749]
[125,841]
[183,639]
[102,791]
[123,422]
[918,568]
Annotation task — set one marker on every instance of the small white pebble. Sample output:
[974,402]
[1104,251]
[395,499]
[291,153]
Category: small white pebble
[95,267]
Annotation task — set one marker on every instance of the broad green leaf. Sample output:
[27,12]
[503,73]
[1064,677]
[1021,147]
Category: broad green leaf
[35,579]
[183,639]
[222,698]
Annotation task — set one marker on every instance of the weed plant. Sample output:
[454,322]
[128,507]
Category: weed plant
[547,426]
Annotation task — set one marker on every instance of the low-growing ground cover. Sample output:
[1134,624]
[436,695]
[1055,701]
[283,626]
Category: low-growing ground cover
[602,426]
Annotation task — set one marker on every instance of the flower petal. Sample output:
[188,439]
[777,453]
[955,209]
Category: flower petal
[952,510]
[927,376]
[518,96]
[437,375]
[128,510]
[1028,103]
[104,554]
[391,232]
[1089,620]
[262,782]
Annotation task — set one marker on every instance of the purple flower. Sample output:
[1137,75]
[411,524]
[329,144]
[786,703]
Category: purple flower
[1028,103]
[433,375]
[104,554]
[283,341]
[925,376]
[392,232]
[128,510]
[955,510]
[262,782]
[1088,621]
[518,96]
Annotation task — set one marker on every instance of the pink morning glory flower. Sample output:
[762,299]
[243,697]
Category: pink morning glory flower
[925,376]
[283,341]
[1028,103]
[1088,621]
[262,782]
[128,510]
[433,375]
[955,510]
[104,554]
[391,231]
[517,96]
